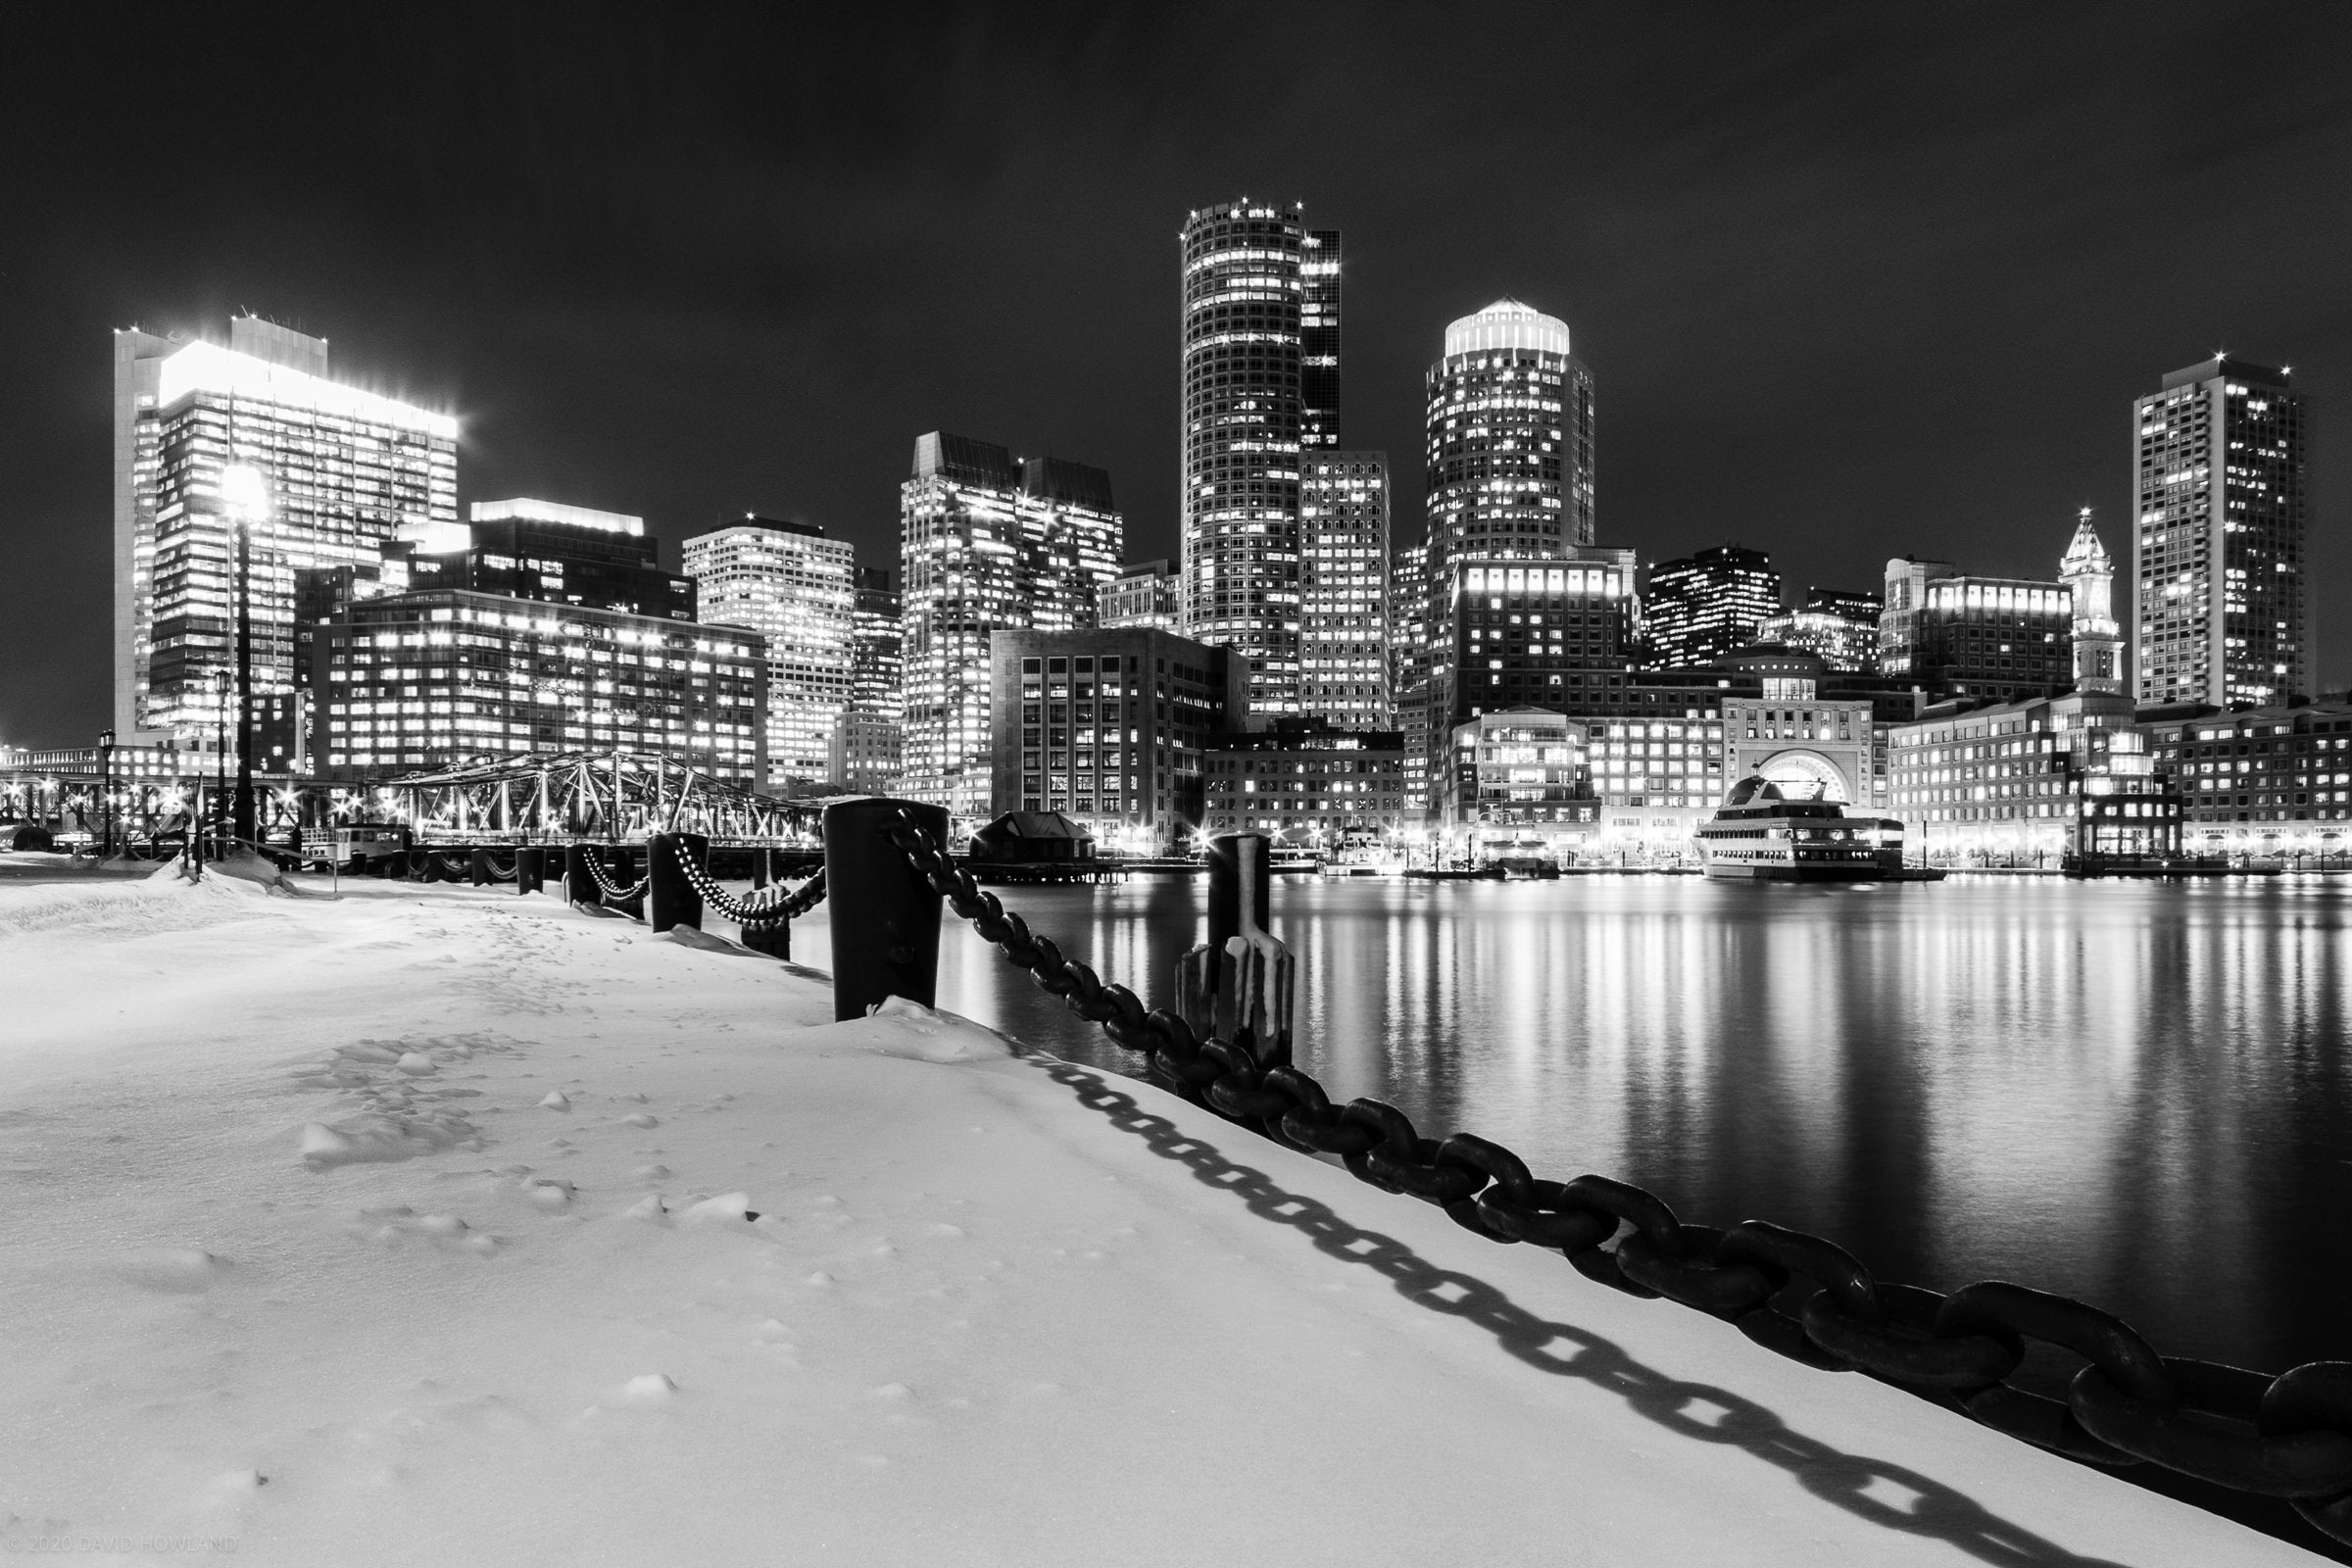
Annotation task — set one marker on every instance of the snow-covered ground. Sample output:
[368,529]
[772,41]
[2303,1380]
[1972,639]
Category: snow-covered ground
[414,1228]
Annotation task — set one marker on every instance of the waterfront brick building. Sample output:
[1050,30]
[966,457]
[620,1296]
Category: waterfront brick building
[1338,790]
[2260,781]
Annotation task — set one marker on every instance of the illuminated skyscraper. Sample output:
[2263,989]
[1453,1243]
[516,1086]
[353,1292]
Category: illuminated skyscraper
[1071,536]
[987,542]
[2218,547]
[795,587]
[1246,296]
[1510,451]
[1699,607]
[1345,624]
[336,473]
[1319,339]
[1842,627]
[876,663]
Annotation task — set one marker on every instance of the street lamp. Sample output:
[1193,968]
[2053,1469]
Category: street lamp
[106,784]
[245,492]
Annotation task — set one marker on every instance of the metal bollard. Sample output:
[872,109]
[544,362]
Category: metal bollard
[479,872]
[1240,984]
[773,939]
[885,916]
[530,868]
[759,873]
[579,886]
[671,899]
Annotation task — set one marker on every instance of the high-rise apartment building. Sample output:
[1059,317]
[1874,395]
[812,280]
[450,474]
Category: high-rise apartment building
[1146,593]
[987,542]
[1246,292]
[1408,665]
[1542,633]
[1343,623]
[797,588]
[317,474]
[2218,543]
[1509,451]
[1702,607]
[1319,339]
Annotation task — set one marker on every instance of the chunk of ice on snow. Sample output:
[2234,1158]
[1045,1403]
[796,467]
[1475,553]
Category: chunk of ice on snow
[654,1387]
[416,1064]
[726,1205]
[556,1100]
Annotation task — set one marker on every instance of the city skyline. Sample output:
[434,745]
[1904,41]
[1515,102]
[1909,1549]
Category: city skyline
[666,380]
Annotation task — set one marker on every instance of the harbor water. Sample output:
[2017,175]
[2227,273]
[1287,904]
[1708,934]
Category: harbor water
[2136,1094]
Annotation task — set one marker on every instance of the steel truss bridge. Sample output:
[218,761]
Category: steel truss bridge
[598,797]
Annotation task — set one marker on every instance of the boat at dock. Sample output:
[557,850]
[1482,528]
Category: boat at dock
[1766,832]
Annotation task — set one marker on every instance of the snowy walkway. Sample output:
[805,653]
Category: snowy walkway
[408,1229]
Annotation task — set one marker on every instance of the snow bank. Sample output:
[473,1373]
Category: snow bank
[437,1226]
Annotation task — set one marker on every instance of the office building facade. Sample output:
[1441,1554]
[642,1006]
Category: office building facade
[2045,777]
[1345,630]
[877,665]
[1312,784]
[1071,539]
[2260,781]
[426,680]
[1145,593]
[1319,340]
[1109,727]
[1998,639]
[2219,613]
[797,589]
[1508,449]
[557,553]
[255,436]
[1839,626]
[970,517]
[1244,294]
[1698,607]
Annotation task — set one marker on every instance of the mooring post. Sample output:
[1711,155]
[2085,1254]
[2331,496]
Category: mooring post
[1242,980]
[760,876]
[530,868]
[671,899]
[478,870]
[579,883]
[885,916]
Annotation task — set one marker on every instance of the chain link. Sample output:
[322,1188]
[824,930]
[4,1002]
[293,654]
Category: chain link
[769,906]
[2285,1437]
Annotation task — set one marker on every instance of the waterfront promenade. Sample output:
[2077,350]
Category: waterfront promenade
[413,1227]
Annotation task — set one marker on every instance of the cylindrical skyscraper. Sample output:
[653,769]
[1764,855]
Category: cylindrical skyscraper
[1510,451]
[1243,287]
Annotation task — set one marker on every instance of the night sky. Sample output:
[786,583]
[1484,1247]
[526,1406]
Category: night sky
[1852,281]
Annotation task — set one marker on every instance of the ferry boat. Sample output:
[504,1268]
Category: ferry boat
[1767,832]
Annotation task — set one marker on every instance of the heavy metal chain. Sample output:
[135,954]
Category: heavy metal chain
[617,894]
[766,906]
[2289,1436]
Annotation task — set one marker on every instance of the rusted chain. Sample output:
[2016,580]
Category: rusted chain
[2289,1436]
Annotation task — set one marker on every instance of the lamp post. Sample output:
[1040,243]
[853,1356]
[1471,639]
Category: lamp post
[106,784]
[245,490]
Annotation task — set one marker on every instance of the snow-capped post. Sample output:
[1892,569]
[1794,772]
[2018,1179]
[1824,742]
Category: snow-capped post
[530,868]
[1242,980]
[478,870]
[885,914]
[580,882]
[671,897]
